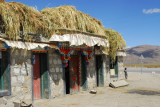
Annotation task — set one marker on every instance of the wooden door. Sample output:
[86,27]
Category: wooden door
[99,66]
[74,73]
[4,72]
[116,66]
[44,76]
[67,79]
[83,74]
[36,77]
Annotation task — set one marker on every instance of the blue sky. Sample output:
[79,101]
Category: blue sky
[138,21]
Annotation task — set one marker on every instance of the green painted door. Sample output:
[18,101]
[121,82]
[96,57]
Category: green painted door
[44,76]
[99,66]
[84,75]
[4,72]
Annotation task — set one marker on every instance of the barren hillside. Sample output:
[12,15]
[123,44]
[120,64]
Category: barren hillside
[150,53]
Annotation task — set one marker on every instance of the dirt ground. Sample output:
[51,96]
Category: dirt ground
[143,91]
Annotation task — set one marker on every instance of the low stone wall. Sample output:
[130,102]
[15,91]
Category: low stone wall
[56,74]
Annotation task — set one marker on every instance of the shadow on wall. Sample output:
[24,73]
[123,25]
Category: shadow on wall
[55,66]
[91,69]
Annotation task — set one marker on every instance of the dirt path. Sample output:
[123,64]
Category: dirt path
[143,91]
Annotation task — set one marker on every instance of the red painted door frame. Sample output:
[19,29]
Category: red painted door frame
[36,77]
[74,73]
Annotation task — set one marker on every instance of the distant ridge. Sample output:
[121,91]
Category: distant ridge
[151,54]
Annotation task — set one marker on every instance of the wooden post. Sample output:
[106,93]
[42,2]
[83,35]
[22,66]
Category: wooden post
[2,1]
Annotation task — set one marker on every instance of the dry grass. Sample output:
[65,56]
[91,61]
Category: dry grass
[144,65]
[67,17]
[17,16]
[116,42]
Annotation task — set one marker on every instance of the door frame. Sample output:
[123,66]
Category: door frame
[8,93]
[78,74]
[98,73]
[32,76]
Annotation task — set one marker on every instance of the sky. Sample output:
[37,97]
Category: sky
[138,21]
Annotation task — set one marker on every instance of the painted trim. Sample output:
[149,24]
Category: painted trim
[32,76]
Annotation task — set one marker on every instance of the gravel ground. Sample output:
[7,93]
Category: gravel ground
[143,91]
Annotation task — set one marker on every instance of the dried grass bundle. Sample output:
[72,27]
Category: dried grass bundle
[67,17]
[17,16]
[116,42]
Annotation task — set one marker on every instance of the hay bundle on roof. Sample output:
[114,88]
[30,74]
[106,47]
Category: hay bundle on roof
[16,16]
[67,17]
[116,42]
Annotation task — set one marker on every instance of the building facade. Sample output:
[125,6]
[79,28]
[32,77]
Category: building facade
[38,70]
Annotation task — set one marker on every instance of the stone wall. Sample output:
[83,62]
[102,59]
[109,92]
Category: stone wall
[91,74]
[106,69]
[120,68]
[55,74]
[20,74]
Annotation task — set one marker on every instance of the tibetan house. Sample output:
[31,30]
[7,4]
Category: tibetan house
[50,53]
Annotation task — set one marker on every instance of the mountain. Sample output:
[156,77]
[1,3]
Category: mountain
[150,53]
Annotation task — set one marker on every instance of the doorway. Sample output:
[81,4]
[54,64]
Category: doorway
[4,72]
[99,70]
[40,76]
[114,65]
[74,74]
[83,74]
[67,79]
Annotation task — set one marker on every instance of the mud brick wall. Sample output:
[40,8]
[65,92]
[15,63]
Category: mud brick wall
[91,74]
[55,73]
[20,74]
